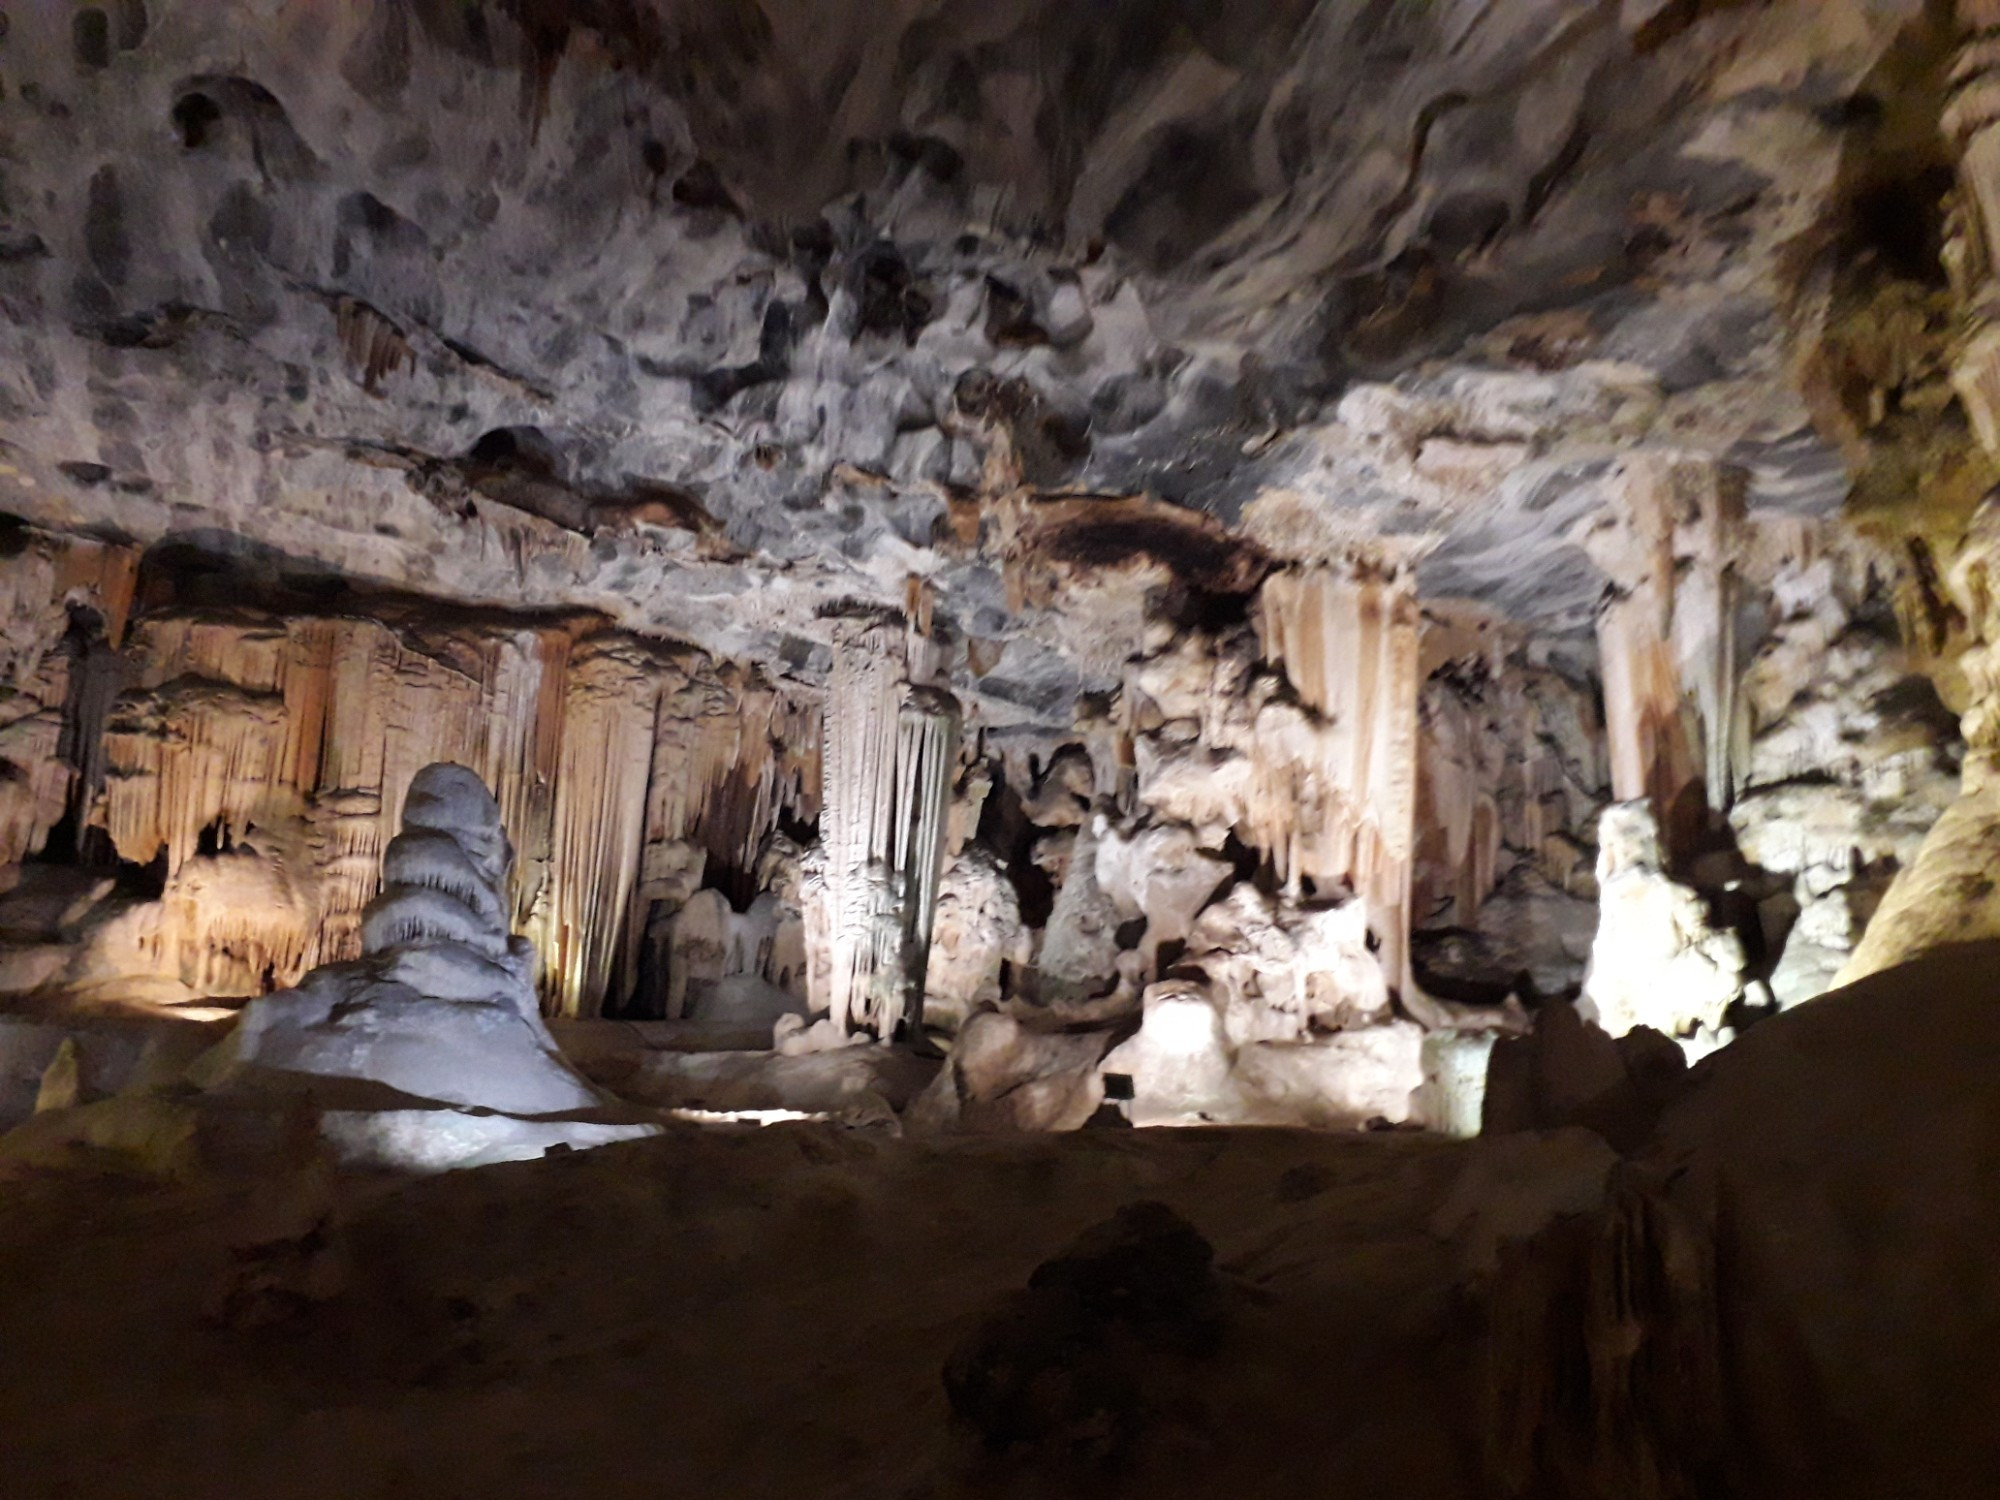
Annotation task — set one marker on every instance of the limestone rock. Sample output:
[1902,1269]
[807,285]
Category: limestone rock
[1657,960]
[1947,893]
[1569,1071]
[1009,1074]
[1078,1370]
[439,1012]
[1182,1068]
[1280,970]
[1160,874]
[977,934]
[1078,957]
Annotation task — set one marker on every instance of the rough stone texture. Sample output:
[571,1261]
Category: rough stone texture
[1698,1333]
[1274,435]
[1010,1074]
[1076,1371]
[378,287]
[1182,1068]
[1947,893]
[978,935]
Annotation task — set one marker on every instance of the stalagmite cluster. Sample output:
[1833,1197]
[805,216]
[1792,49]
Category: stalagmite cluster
[1408,587]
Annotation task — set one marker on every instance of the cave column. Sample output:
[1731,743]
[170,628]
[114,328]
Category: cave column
[1347,635]
[1666,637]
[891,745]
[1971,124]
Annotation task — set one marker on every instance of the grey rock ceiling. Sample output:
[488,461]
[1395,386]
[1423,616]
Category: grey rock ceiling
[707,315]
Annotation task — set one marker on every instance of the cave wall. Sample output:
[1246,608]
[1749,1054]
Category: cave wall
[253,761]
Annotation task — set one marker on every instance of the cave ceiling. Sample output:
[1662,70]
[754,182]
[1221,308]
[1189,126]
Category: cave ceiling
[716,317]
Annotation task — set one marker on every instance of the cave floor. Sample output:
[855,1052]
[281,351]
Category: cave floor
[721,1313]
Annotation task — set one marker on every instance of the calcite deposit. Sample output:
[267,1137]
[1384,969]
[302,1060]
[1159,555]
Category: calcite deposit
[438,1015]
[850,600]
[1372,520]
[1658,959]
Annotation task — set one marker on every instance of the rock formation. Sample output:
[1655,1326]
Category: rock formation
[438,1016]
[1946,894]
[1233,522]
[976,941]
[891,754]
[1657,960]
[1326,566]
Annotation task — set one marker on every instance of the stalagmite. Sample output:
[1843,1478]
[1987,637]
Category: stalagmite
[258,753]
[1657,960]
[1078,959]
[891,751]
[429,1049]
[977,933]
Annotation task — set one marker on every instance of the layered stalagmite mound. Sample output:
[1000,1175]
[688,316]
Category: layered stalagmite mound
[438,1017]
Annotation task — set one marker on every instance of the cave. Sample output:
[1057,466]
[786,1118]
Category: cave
[794,748]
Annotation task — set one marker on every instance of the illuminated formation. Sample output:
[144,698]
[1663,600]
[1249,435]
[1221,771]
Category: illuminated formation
[891,751]
[1407,519]
[1406,589]
[439,1012]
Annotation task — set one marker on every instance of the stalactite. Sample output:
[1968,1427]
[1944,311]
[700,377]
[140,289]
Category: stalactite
[1971,122]
[54,696]
[38,785]
[856,818]
[234,718]
[926,762]
[1509,766]
[1666,637]
[1347,638]
[889,756]
[190,756]
[374,346]
[606,761]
